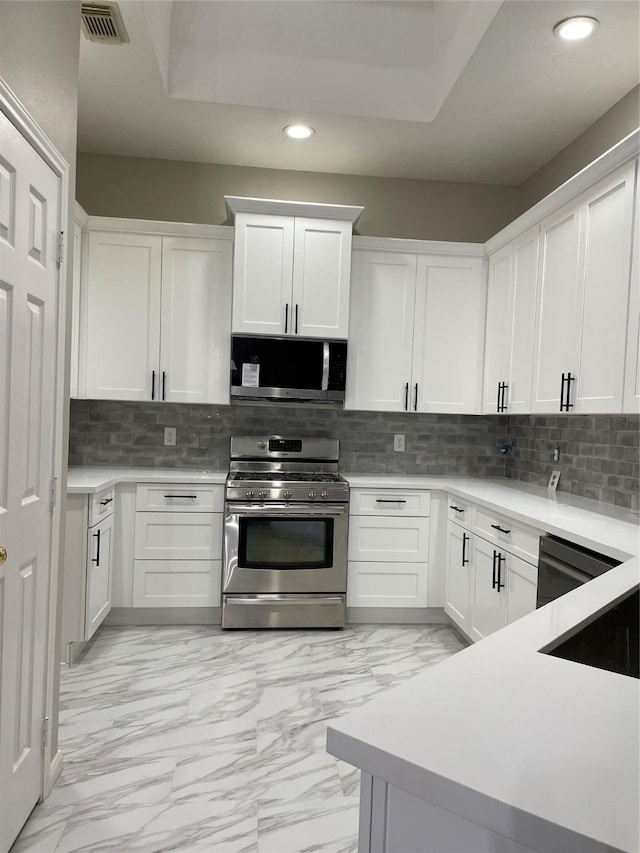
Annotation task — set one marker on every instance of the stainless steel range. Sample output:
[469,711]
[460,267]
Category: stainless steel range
[285,534]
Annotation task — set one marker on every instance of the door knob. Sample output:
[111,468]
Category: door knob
[3,555]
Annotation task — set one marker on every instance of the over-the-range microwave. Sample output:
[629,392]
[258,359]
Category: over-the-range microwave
[271,368]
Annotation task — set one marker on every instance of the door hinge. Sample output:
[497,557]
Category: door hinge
[60,248]
[53,493]
[45,731]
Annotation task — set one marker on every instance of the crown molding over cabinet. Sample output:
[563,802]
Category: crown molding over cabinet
[277,207]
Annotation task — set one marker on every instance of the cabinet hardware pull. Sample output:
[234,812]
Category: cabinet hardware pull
[493,582]
[502,391]
[501,529]
[499,584]
[104,503]
[406,396]
[415,402]
[153,385]
[164,379]
[565,405]
[465,539]
[185,497]
[96,559]
[286,317]
[457,508]
[296,318]
[390,501]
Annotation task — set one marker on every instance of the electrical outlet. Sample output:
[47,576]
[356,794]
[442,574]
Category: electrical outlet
[398,442]
[556,454]
[553,481]
[170,436]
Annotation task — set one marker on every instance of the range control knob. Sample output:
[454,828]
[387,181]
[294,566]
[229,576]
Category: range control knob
[286,494]
[324,494]
[262,444]
[249,494]
[312,494]
[262,494]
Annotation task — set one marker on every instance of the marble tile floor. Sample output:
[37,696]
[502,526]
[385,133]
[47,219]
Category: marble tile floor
[195,739]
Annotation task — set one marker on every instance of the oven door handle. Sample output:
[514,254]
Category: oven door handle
[266,510]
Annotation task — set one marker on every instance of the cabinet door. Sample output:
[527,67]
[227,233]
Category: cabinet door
[605,250]
[387,584]
[388,539]
[522,587]
[178,536]
[99,571]
[557,308]
[380,331]
[195,320]
[488,603]
[122,311]
[176,583]
[448,340]
[262,274]
[457,594]
[498,329]
[632,367]
[75,310]
[321,275]
[524,273]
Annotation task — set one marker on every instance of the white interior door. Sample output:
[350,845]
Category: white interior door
[29,211]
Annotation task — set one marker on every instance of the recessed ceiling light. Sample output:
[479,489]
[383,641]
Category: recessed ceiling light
[298,131]
[575,28]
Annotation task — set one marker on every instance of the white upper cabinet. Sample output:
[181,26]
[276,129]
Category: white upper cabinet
[292,263]
[583,292]
[632,368]
[383,287]
[448,337]
[122,305]
[510,325]
[416,332]
[157,316]
[196,306]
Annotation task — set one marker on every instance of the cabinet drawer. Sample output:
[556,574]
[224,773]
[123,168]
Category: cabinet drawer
[459,511]
[101,505]
[521,541]
[389,502]
[178,536]
[394,540]
[179,497]
[176,583]
[387,585]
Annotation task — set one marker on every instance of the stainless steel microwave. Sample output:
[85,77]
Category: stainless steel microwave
[307,369]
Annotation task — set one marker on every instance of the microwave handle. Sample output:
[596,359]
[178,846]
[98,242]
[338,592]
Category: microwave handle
[325,365]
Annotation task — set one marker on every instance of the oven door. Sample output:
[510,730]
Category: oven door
[285,548]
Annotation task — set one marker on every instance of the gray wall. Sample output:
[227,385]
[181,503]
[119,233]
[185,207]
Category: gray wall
[118,433]
[39,55]
[598,455]
[614,125]
[194,192]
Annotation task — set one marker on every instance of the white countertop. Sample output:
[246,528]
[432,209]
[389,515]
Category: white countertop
[88,480]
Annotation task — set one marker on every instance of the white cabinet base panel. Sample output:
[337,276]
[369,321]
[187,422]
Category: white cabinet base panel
[176,583]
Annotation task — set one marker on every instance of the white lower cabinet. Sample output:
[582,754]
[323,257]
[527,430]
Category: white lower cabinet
[87,574]
[389,550]
[177,546]
[458,576]
[488,584]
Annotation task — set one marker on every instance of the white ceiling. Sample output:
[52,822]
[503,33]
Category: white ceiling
[463,90]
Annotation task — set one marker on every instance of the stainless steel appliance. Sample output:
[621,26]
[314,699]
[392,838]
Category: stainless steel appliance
[563,566]
[288,369]
[285,534]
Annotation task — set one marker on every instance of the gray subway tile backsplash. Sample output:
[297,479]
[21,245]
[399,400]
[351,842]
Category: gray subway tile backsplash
[598,454]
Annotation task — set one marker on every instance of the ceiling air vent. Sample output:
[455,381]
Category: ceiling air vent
[103,22]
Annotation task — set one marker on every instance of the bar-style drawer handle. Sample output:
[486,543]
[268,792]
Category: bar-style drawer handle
[501,529]
[457,508]
[107,501]
[390,501]
[183,497]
